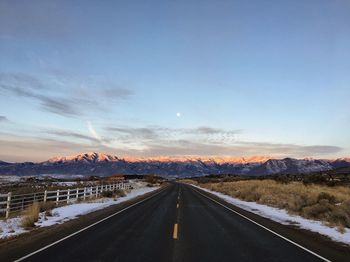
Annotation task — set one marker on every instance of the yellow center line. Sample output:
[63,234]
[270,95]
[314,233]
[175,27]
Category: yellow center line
[175,231]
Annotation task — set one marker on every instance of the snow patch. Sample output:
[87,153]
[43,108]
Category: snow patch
[11,227]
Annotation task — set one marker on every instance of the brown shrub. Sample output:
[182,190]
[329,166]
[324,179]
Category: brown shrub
[339,217]
[44,206]
[326,196]
[295,204]
[119,193]
[316,211]
[107,194]
[31,215]
[150,179]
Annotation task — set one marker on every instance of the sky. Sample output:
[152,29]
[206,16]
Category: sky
[174,78]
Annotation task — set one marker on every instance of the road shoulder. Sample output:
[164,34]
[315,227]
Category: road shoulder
[310,240]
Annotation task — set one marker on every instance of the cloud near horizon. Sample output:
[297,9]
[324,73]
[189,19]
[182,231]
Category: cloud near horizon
[42,148]
[154,133]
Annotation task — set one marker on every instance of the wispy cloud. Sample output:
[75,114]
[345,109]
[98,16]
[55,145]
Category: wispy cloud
[188,147]
[94,138]
[70,134]
[135,133]
[115,93]
[70,99]
[65,107]
[210,130]
[161,133]
[3,119]
[19,81]
[93,131]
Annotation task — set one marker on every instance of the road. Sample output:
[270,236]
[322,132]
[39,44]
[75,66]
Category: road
[182,224]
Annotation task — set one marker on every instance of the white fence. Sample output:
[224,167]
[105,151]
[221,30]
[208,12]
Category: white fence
[12,203]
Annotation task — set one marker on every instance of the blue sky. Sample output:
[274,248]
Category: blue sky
[248,77]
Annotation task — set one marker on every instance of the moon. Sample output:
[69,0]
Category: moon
[178,114]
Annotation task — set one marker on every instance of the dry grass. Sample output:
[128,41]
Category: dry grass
[107,194]
[328,204]
[114,193]
[47,208]
[119,193]
[49,205]
[31,215]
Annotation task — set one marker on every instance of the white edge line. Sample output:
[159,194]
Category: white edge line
[271,231]
[85,228]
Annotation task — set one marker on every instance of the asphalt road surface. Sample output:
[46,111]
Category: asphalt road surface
[181,223]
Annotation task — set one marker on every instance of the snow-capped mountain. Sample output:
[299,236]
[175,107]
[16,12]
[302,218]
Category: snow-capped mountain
[92,157]
[293,166]
[104,164]
[2,163]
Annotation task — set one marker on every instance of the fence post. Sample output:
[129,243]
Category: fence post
[45,196]
[84,193]
[57,197]
[96,191]
[68,195]
[77,194]
[91,192]
[8,204]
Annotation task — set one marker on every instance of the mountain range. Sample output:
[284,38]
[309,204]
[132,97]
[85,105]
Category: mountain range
[103,164]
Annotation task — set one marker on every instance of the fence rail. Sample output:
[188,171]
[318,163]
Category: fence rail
[12,203]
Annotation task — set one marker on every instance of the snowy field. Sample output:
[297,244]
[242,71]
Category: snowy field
[12,227]
[282,216]
[9,179]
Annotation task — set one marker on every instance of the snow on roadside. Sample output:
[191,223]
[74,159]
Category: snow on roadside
[12,227]
[65,213]
[282,216]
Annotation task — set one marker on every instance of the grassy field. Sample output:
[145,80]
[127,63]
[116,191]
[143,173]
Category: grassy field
[328,204]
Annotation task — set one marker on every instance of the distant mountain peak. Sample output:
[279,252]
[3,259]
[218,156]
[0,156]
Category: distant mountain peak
[86,157]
